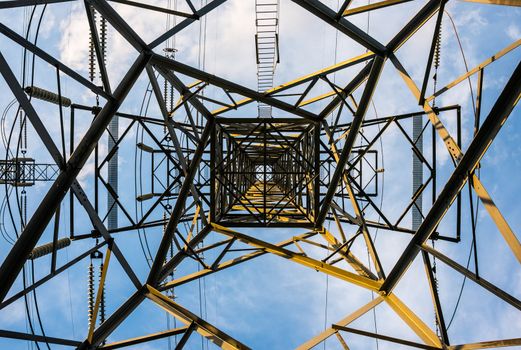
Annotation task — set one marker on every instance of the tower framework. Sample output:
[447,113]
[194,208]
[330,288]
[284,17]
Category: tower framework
[214,180]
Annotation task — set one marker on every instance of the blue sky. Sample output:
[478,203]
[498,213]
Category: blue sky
[272,303]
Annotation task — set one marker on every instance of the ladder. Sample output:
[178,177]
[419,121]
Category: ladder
[267,47]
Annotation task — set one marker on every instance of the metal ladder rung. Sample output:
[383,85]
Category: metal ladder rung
[266,42]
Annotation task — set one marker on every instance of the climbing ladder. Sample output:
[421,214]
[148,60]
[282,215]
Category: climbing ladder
[267,47]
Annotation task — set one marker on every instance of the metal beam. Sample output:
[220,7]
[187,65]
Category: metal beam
[107,327]
[476,69]
[414,24]
[302,260]
[385,338]
[306,78]
[497,2]
[170,128]
[119,24]
[177,211]
[229,263]
[32,232]
[479,145]
[52,61]
[329,16]
[342,323]
[57,156]
[358,119]
[204,328]
[456,154]
[50,276]
[38,338]
[491,344]
[372,7]
[434,43]
[144,338]
[185,23]
[472,276]
[195,73]
[21,3]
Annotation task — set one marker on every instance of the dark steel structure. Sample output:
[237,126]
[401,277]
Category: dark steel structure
[213,174]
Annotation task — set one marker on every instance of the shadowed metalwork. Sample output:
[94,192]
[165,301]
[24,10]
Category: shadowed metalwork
[221,176]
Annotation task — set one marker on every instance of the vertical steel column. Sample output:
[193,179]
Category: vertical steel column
[213,183]
[417,171]
[316,156]
[112,175]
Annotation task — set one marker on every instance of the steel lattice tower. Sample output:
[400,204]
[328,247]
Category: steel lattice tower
[213,179]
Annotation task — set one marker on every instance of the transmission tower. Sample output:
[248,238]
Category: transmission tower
[167,172]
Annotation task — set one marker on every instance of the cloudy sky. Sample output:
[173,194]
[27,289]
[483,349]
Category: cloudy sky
[272,303]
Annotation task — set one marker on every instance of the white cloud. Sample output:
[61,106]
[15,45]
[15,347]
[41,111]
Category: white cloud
[514,32]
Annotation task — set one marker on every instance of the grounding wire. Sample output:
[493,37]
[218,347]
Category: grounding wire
[201,62]
[375,324]
[464,59]
[16,192]
[140,133]
[5,141]
[456,306]
[474,220]
[7,190]
[3,121]
[35,299]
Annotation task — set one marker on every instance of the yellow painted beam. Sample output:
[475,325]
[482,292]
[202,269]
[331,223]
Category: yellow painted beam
[302,260]
[343,322]
[336,67]
[99,295]
[372,7]
[476,69]
[456,153]
[232,262]
[194,221]
[409,317]
[143,339]
[357,210]
[413,321]
[204,328]
[359,267]
[494,344]
[497,2]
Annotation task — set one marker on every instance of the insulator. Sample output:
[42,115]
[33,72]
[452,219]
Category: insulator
[45,249]
[48,96]
[437,49]
[165,93]
[144,147]
[92,60]
[103,39]
[23,198]
[90,293]
[171,98]
[165,223]
[145,197]
[103,36]
[102,301]
[92,66]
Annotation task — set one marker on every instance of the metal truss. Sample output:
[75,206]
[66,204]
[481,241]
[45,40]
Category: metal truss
[25,172]
[215,174]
